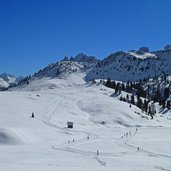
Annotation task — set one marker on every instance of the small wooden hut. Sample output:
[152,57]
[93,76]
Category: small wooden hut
[70,124]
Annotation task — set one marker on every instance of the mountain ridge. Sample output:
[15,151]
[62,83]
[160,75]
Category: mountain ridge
[130,65]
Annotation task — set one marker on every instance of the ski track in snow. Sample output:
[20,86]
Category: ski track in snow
[46,119]
[163,168]
[143,150]
[48,116]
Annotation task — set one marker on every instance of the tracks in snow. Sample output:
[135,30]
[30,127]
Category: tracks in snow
[147,152]
[46,119]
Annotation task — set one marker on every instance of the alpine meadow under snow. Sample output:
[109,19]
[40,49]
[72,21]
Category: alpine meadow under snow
[108,134]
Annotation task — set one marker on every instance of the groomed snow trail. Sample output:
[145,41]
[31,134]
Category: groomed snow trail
[69,147]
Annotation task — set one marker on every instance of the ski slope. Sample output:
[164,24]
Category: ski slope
[127,140]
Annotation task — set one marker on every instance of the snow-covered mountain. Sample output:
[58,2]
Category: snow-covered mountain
[123,66]
[66,69]
[7,80]
[79,64]
[133,65]
[59,69]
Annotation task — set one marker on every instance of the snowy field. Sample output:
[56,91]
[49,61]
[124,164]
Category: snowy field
[126,139]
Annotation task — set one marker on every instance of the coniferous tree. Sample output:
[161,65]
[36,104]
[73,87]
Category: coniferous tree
[168,104]
[139,103]
[132,99]
[163,103]
[93,81]
[123,87]
[149,110]
[127,98]
[108,82]
[127,86]
[158,95]
[145,105]
[160,101]
[140,91]
[166,93]
[117,89]
[113,84]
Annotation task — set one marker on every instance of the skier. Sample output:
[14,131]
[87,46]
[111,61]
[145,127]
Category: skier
[138,148]
[88,137]
[97,152]
[73,140]
[32,115]
[126,134]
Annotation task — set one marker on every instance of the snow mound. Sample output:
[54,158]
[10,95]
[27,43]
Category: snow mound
[44,83]
[7,137]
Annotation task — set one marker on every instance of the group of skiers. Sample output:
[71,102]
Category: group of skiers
[129,134]
[125,135]
[74,140]
[97,152]
[71,141]
[32,116]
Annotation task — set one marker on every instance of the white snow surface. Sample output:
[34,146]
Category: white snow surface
[44,143]
[144,55]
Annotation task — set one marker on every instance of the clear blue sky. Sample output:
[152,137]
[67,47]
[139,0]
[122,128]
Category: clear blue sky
[34,33]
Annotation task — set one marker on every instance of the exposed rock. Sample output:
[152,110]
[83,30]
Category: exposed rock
[144,49]
[167,47]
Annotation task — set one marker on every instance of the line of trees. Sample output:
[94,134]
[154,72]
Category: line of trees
[151,94]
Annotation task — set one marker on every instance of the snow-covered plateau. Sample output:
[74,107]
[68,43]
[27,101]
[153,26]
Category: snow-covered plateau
[107,134]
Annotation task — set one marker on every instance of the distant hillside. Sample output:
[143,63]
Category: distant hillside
[72,69]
